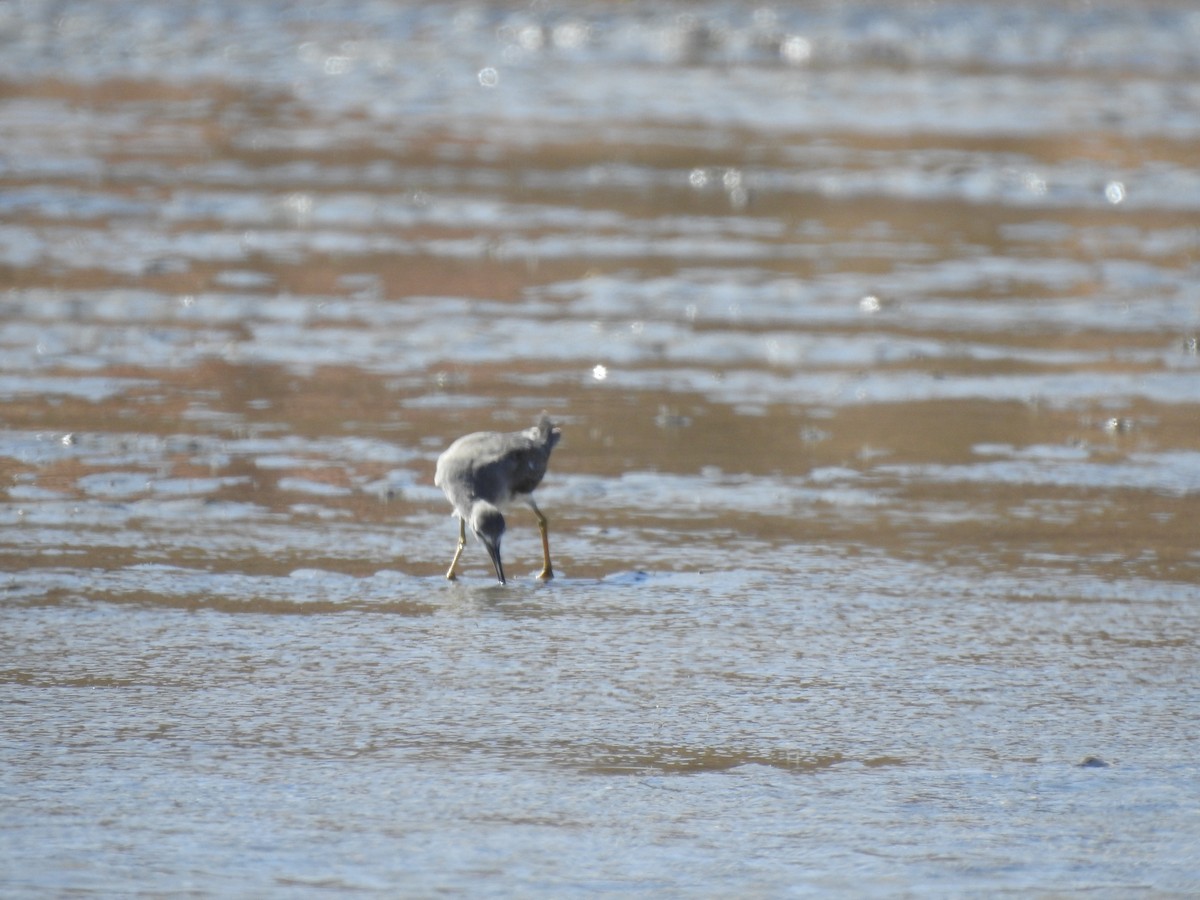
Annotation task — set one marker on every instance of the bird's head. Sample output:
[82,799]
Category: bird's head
[488,524]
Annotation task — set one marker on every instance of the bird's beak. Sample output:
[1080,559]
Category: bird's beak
[494,552]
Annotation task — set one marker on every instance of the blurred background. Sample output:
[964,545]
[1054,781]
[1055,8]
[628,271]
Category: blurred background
[872,331]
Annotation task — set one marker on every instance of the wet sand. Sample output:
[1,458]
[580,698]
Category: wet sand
[872,333]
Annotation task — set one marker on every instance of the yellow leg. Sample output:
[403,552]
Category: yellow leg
[462,542]
[547,572]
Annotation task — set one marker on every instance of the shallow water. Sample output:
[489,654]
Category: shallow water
[872,331]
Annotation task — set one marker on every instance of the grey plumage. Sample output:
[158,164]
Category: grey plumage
[484,472]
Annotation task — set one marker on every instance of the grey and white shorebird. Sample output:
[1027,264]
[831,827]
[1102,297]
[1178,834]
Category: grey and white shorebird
[481,474]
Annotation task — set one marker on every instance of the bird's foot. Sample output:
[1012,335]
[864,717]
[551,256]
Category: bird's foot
[545,575]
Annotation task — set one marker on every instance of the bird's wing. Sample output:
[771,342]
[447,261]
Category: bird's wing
[482,465]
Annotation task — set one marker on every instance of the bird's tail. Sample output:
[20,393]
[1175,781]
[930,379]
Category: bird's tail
[548,433]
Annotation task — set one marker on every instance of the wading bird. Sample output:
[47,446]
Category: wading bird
[482,473]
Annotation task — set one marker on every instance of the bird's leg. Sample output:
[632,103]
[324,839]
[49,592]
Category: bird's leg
[547,572]
[462,542]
